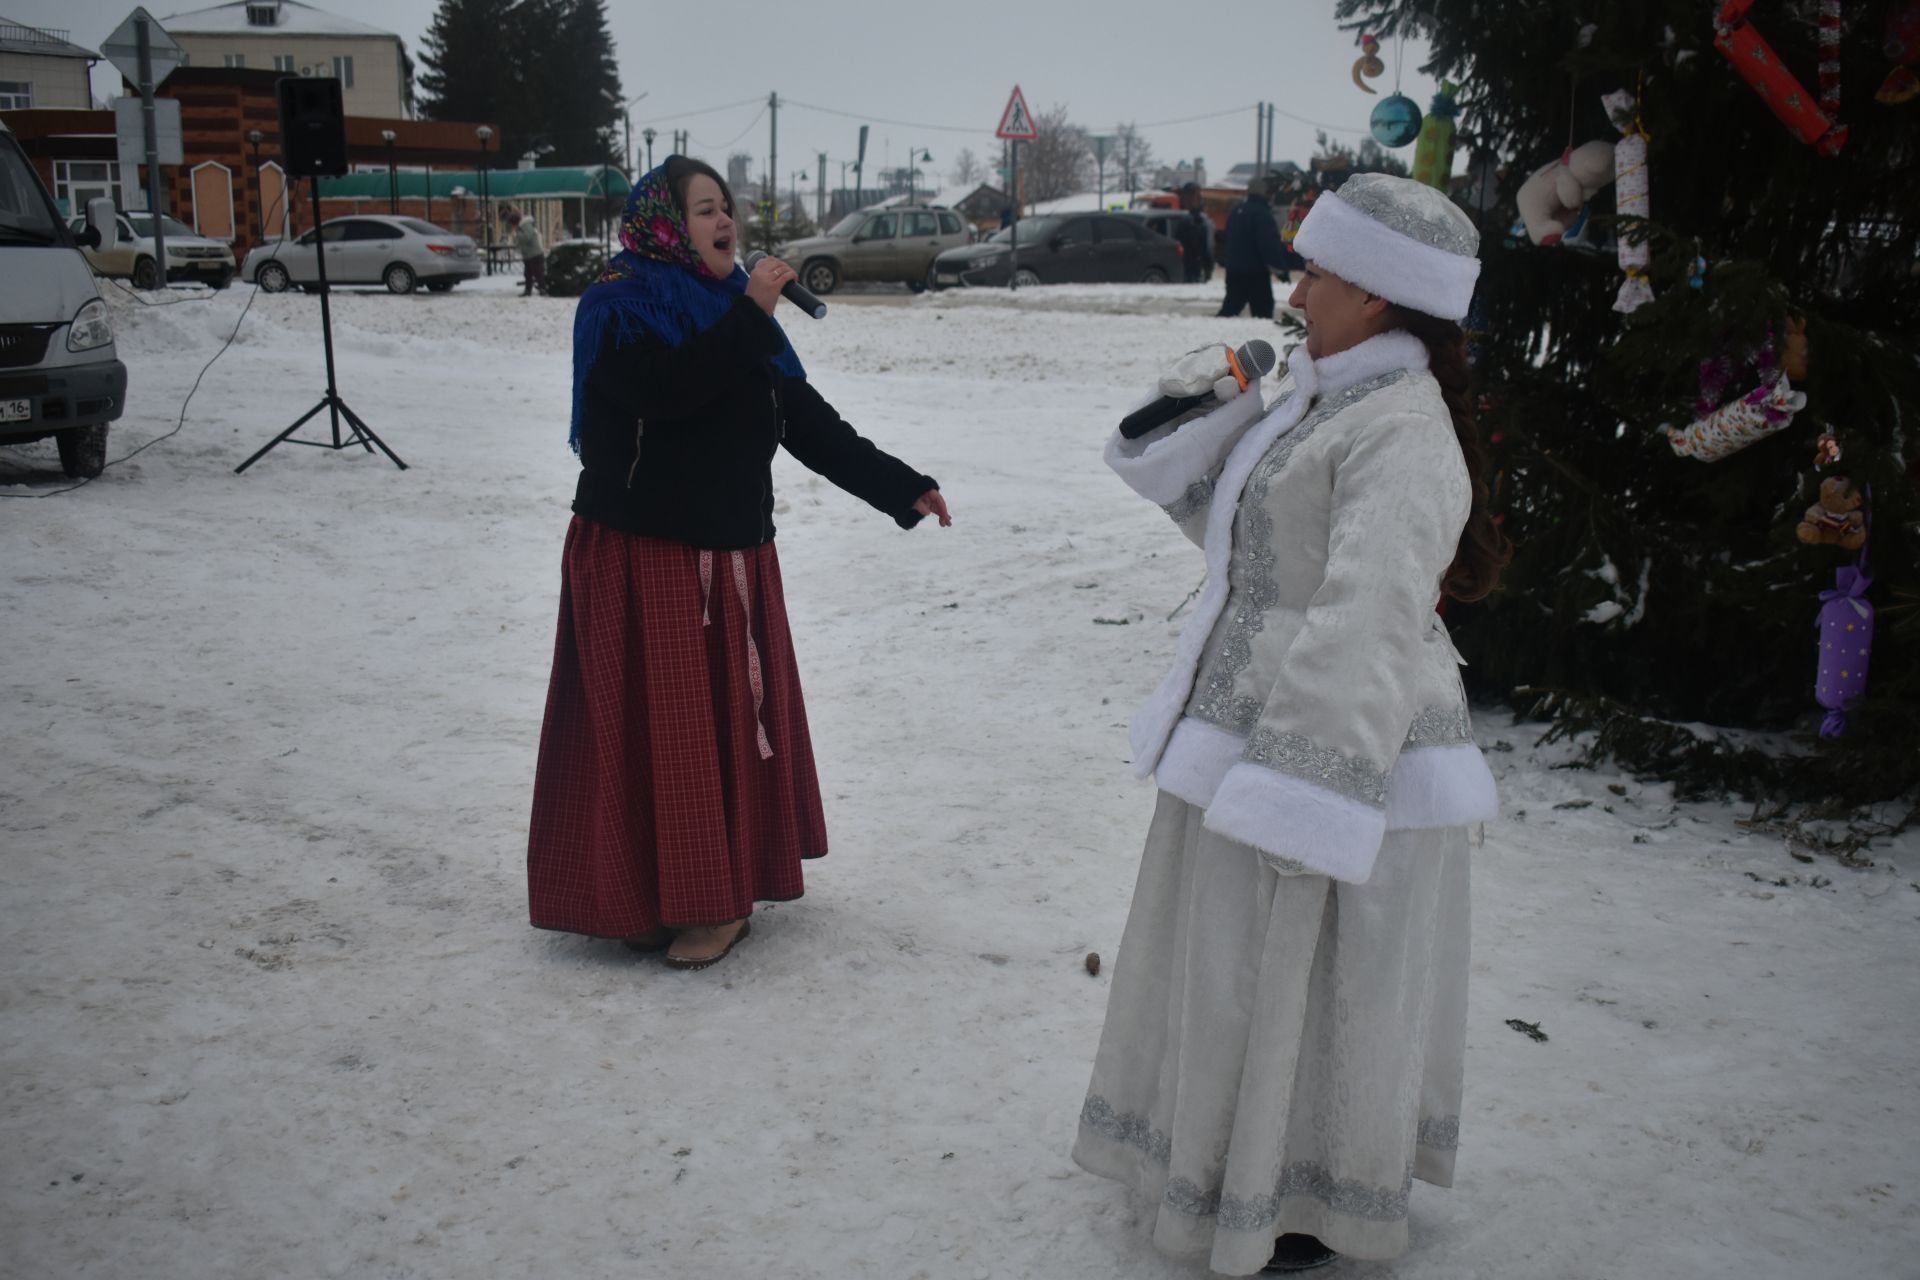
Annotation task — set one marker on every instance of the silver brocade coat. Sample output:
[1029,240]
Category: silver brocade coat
[1315,700]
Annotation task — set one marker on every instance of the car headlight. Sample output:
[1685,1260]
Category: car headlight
[91,328]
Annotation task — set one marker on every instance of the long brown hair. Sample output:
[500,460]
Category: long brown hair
[1483,551]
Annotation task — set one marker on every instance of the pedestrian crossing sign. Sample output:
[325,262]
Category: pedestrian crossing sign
[1016,122]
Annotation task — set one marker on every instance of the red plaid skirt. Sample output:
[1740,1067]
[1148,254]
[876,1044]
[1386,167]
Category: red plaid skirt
[676,782]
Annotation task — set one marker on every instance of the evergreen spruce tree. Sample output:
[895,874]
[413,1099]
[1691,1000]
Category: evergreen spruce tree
[465,57]
[1651,590]
[543,69]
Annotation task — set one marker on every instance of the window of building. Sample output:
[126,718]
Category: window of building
[77,181]
[262,15]
[15,94]
[343,71]
[283,62]
[233,59]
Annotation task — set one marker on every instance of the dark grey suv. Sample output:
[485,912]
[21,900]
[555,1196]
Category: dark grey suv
[1080,248]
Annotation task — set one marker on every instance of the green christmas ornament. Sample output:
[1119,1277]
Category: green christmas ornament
[1396,121]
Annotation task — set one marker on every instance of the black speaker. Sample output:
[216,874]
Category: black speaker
[313,127]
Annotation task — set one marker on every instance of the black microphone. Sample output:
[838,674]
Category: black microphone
[1252,360]
[794,292]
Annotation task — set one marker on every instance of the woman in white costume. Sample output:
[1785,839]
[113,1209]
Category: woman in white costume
[1283,1047]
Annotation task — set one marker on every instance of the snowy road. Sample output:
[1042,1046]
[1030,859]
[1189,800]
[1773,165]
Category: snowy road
[271,1007]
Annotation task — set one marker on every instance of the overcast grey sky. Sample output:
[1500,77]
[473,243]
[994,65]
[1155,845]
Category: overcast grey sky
[952,65]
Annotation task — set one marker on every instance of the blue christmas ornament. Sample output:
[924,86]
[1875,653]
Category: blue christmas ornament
[1396,121]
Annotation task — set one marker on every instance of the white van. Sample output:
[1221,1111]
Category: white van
[59,373]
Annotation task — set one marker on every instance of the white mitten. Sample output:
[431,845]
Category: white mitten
[1198,372]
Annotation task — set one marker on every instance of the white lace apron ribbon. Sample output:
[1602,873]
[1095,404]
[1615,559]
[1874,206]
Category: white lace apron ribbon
[754,679]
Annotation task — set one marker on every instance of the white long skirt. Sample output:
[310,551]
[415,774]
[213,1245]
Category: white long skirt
[1282,1052]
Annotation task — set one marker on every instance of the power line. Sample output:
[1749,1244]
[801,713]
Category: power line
[704,111]
[722,146]
[899,124]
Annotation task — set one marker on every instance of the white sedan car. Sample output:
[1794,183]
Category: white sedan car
[190,255]
[400,253]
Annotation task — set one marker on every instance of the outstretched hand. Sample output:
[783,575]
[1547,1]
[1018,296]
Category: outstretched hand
[931,503]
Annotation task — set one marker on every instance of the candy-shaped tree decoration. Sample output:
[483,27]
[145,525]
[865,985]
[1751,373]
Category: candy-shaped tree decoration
[1630,200]
[1730,428]
[1846,642]
[1433,154]
[1755,60]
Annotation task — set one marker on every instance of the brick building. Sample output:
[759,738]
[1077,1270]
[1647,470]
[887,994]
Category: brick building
[231,185]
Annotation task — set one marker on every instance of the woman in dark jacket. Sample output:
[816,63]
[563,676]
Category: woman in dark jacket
[676,783]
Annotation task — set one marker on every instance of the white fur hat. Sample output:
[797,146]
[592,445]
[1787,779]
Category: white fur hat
[1398,239]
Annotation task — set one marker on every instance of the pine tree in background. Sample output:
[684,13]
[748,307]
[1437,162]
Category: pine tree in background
[1651,589]
[544,70]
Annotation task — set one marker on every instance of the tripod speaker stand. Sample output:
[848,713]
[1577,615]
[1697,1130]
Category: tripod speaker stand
[361,434]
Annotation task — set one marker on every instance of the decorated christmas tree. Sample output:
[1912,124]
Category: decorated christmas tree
[1696,339]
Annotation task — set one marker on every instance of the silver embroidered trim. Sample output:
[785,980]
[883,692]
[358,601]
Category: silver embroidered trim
[1251,590]
[1132,1129]
[1237,1213]
[1440,1133]
[1440,727]
[1301,757]
[1437,222]
[1192,502]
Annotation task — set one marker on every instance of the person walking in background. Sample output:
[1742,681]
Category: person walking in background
[676,785]
[1196,236]
[1254,251]
[533,253]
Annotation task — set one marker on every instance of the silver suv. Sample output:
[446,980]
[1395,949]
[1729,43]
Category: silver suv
[893,244]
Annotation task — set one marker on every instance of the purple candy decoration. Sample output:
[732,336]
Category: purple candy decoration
[1846,639]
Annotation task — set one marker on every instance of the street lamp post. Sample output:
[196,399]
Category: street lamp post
[649,133]
[914,157]
[259,192]
[485,134]
[388,136]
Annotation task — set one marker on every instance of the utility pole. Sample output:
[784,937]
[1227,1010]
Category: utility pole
[820,195]
[157,202]
[1270,115]
[772,148]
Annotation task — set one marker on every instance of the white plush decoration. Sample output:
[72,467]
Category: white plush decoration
[1550,201]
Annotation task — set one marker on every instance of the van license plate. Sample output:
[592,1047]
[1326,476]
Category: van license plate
[15,410]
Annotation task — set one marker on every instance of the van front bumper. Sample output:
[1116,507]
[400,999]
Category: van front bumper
[75,395]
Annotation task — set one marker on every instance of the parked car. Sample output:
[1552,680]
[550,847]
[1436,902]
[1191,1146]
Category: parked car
[1100,248]
[190,255]
[896,244]
[401,253]
[60,375]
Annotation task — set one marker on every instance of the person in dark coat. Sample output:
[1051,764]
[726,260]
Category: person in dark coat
[1196,236]
[1254,251]
[676,785]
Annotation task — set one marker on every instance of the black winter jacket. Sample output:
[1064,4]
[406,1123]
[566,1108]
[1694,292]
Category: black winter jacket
[1253,237]
[678,442]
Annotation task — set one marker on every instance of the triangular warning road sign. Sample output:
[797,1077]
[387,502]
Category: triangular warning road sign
[1016,122]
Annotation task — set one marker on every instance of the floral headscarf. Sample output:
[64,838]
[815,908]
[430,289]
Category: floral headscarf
[656,286]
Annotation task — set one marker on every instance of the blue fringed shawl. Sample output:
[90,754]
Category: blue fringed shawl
[644,297]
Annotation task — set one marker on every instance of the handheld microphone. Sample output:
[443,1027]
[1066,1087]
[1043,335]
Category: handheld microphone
[794,291]
[1251,360]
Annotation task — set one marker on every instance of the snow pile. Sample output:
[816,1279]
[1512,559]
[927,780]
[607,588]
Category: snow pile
[272,1007]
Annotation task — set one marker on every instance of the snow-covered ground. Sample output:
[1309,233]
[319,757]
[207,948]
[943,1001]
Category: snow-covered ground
[271,1007]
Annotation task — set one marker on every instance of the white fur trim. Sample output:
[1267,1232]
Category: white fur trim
[1362,251]
[1440,787]
[1154,723]
[1197,757]
[1282,815]
[1161,465]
